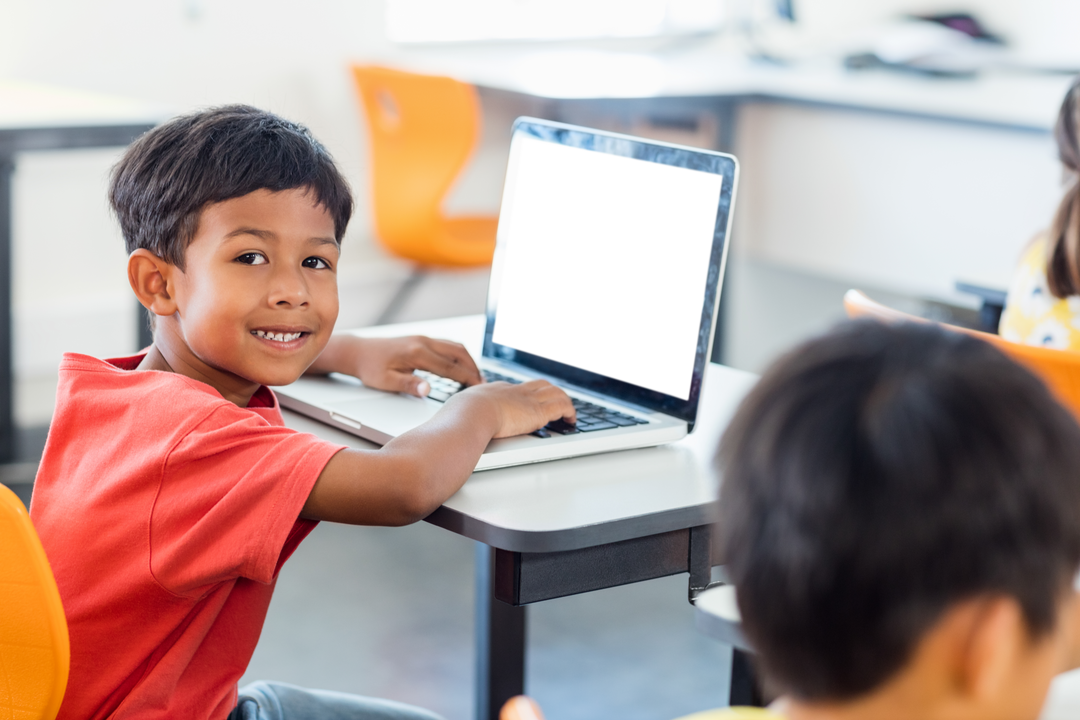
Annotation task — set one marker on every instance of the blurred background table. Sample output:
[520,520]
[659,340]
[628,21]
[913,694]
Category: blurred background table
[35,118]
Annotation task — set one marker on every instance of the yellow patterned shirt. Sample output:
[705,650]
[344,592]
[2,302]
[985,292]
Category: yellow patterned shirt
[1032,315]
[739,713]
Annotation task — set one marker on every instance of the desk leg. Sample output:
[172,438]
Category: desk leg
[744,684]
[7,420]
[500,642]
[726,111]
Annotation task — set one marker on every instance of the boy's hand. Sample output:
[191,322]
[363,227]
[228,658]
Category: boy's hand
[388,363]
[410,476]
[523,408]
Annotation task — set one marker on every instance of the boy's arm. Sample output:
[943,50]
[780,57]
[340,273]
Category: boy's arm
[388,363]
[413,474]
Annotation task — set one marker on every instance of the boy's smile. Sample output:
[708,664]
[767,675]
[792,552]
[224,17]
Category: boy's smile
[257,298]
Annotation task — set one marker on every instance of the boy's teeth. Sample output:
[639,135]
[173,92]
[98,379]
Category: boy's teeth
[279,337]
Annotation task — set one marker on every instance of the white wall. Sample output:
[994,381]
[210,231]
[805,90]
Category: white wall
[897,203]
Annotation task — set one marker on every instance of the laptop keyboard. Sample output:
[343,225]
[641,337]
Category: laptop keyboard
[590,416]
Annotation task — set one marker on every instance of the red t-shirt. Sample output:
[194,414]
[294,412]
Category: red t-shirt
[166,512]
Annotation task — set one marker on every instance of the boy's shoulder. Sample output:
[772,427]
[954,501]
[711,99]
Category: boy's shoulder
[157,451]
[115,425]
[131,425]
[115,389]
[109,413]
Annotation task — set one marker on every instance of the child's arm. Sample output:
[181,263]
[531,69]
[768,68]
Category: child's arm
[388,363]
[414,473]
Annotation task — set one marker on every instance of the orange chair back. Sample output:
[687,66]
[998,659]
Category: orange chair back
[423,129]
[1059,369]
[34,651]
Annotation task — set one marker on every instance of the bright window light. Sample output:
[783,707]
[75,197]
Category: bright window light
[433,21]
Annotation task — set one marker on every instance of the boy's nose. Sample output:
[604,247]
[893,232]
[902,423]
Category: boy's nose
[288,288]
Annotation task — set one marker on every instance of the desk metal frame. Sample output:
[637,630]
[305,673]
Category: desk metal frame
[29,139]
[525,555]
[509,580]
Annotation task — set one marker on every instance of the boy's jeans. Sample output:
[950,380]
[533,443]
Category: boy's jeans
[277,701]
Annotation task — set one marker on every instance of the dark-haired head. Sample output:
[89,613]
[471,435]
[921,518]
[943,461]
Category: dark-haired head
[1063,248]
[876,476]
[165,179]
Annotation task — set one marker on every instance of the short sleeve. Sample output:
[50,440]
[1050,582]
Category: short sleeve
[1032,315]
[230,492]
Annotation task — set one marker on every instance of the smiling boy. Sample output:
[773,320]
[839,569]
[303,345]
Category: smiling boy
[170,493]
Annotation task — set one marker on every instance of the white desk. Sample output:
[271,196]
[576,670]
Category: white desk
[899,182]
[1014,100]
[561,528]
[34,117]
[716,614]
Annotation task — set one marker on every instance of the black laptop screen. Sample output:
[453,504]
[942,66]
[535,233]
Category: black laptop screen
[608,262]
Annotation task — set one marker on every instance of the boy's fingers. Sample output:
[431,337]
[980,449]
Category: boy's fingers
[407,383]
[450,362]
[556,403]
[566,407]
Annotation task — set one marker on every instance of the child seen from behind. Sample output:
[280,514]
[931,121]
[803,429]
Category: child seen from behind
[900,514]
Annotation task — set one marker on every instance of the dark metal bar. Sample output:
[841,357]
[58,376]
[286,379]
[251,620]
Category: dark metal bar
[145,336]
[500,641]
[726,111]
[523,578]
[744,690]
[699,562]
[7,386]
[63,138]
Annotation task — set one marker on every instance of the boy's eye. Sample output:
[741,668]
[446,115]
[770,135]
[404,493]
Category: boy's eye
[252,258]
[315,263]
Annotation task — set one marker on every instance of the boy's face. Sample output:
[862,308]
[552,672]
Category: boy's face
[257,299]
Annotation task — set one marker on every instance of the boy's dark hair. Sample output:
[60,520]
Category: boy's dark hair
[165,179]
[879,474]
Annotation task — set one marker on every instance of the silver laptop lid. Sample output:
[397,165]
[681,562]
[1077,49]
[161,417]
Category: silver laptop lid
[608,262]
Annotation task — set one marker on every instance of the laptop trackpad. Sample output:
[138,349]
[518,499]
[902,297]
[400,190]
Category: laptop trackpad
[392,414]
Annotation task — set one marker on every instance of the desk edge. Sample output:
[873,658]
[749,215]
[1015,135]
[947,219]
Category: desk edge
[533,541]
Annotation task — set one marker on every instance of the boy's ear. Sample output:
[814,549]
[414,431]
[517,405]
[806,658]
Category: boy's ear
[1070,616]
[1008,669]
[997,640]
[150,278]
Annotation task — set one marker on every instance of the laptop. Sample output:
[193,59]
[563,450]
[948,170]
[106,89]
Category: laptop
[609,257]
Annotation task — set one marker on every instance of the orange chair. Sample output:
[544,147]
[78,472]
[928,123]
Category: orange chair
[1059,369]
[34,651]
[423,129]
